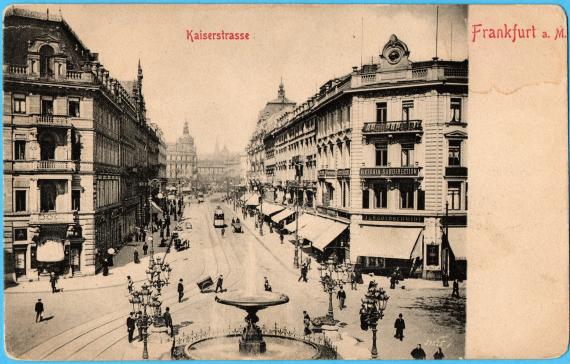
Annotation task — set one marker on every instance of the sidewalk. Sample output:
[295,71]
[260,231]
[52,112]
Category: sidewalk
[123,266]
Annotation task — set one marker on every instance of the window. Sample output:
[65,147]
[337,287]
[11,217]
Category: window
[20,234]
[432,254]
[380,196]
[382,156]
[406,196]
[455,110]
[407,106]
[73,105]
[19,104]
[407,155]
[47,107]
[381,112]
[20,150]
[366,199]
[421,200]
[21,200]
[76,200]
[454,153]
[454,195]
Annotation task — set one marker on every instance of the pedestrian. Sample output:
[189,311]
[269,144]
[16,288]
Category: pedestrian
[180,290]
[53,281]
[281,236]
[455,292]
[392,281]
[161,232]
[138,319]
[219,283]
[130,284]
[131,324]
[399,325]
[307,323]
[303,273]
[418,353]
[353,282]
[445,279]
[105,264]
[438,355]
[363,318]
[168,320]
[223,232]
[39,308]
[267,285]
[144,235]
[136,257]
[145,248]
[341,295]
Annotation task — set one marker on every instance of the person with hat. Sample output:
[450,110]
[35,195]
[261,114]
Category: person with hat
[219,284]
[39,308]
[180,290]
[399,325]
[267,285]
[131,325]
[168,320]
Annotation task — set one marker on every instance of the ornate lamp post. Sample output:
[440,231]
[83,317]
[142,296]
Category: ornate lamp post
[330,283]
[142,299]
[259,187]
[375,301]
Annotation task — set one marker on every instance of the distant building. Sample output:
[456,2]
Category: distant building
[220,169]
[181,161]
[78,151]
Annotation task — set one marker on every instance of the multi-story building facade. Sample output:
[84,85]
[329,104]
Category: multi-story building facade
[181,160]
[72,138]
[390,140]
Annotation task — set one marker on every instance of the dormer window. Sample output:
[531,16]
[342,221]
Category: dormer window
[46,61]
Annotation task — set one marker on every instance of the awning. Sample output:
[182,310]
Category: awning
[384,242]
[253,200]
[282,215]
[304,219]
[155,208]
[315,228]
[270,209]
[334,229]
[51,251]
[458,242]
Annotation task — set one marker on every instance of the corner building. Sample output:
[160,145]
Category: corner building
[78,152]
[389,142]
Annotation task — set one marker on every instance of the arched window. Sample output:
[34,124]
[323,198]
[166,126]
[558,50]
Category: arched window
[46,54]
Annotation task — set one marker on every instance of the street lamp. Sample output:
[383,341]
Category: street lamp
[375,301]
[259,187]
[330,283]
[142,299]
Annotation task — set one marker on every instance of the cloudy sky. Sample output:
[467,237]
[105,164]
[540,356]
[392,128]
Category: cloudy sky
[220,86]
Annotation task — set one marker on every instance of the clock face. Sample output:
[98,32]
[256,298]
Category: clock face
[394,56]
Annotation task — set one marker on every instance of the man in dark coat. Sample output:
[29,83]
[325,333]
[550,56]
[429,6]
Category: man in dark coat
[304,270]
[363,318]
[455,292]
[39,308]
[438,355]
[145,248]
[341,295]
[131,324]
[307,323]
[219,284]
[399,325]
[418,353]
[53,281]
[168,320]
[136,257]
[281,236]
[180,290]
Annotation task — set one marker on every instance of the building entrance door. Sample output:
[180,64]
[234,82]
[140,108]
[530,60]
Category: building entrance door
[20,262]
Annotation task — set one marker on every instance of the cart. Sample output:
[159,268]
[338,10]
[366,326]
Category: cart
[205,283]
[236,225]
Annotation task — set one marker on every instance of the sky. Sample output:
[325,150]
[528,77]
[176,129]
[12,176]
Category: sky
[220,86]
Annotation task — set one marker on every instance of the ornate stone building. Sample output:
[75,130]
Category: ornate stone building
[181,160]
[75,142]
[389,145]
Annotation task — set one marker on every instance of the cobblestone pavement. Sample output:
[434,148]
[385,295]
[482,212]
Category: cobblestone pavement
[89,324]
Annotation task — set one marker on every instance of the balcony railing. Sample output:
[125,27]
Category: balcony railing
[456,171]
[390,172]
[52,217]
[42,166]
[22,72]
[343,173]
[390,127]
[326,173]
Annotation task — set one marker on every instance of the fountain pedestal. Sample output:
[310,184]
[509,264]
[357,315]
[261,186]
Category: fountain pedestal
[251,341]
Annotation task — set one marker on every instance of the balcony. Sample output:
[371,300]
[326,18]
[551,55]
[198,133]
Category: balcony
[22,72]
[51,120]
[456,171]
[52,218]
[390,172]
[326,173]
[343,173]
[392,127]
[42,166]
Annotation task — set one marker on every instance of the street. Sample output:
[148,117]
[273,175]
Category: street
[73,330]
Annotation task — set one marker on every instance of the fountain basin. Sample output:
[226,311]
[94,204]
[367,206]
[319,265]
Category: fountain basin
[278,348]
[257,301]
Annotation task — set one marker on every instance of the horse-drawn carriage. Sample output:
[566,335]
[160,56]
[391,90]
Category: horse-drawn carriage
[236,225]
